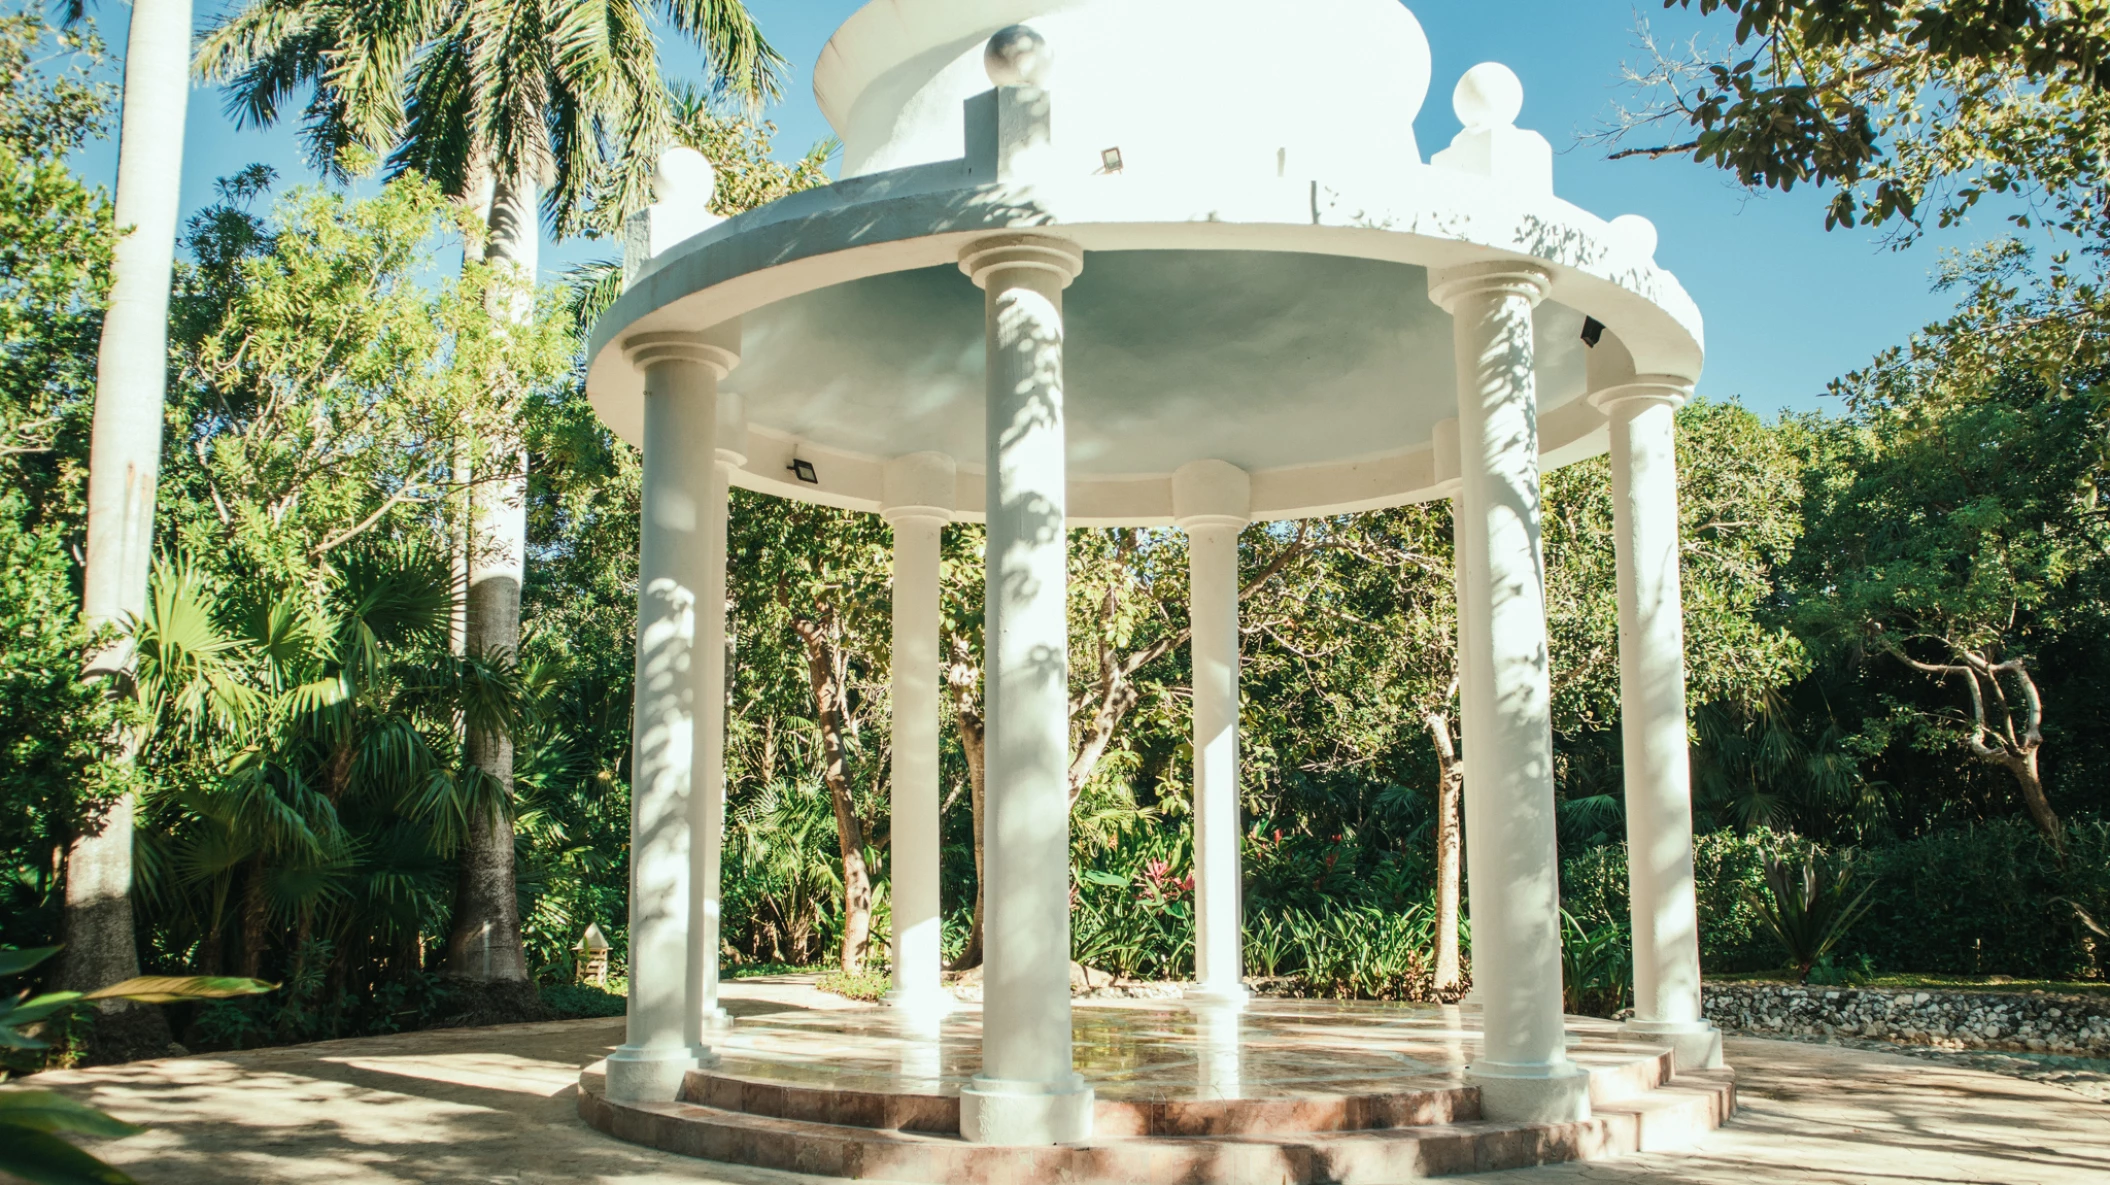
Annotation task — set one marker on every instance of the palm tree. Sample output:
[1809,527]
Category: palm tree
[124,465]
[323,787]
[518,108]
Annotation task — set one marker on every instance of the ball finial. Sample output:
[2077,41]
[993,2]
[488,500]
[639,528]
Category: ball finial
[1018,56]
[1489,96]
[1637,232]
[684,175]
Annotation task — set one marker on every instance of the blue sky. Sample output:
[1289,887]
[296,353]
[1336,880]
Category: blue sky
[1789,305]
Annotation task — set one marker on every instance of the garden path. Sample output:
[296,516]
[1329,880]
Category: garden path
[497,1105]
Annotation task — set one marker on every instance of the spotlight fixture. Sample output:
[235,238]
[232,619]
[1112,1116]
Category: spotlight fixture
[1111,158]
[1593,332]
[805,472]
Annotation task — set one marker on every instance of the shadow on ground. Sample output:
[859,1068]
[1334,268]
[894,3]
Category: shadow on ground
[497,1105]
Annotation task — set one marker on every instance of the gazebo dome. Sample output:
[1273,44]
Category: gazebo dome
[1264,87]
[1259,231]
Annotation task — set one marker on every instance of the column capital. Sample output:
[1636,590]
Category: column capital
[918,486]
[1501,277]
[717,348]
[1211,494]
[1649,390]
[1045,253]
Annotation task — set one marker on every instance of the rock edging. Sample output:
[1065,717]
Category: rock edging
[2036,1022]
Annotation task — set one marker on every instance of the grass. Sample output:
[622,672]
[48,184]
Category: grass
[758,970]
[1903,981]
[868,985]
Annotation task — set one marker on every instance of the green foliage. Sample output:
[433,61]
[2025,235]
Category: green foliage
[579,1001]
[1809,907]
[1597,967]
[55,240]
[32,1120]
[1905,112]
[867,986]
[566,91]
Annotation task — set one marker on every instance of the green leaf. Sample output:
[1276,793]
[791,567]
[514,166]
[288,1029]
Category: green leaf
[37,1009]
[44,1159]
[1112,880]
[167,989]
[15,962]
[50,1111]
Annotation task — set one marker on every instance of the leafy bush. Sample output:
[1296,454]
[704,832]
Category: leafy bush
[1809,906]
[1984,900]
[1597,967]
[578,1001]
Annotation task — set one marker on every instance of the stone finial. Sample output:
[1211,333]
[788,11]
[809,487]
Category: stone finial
[1636,233]
[683,187]
[1488,100]
[1018,56]
[1489,96]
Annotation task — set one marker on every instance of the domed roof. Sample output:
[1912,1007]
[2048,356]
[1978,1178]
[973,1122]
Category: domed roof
[1298,85]
[1259,230]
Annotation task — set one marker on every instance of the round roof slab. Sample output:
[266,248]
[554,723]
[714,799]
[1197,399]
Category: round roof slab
[1266,360]
[1263,303]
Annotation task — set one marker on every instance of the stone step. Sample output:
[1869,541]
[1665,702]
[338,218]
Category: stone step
[1673,1115]
[936,1114]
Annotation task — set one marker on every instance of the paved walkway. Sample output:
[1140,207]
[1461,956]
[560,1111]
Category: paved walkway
[496,1105]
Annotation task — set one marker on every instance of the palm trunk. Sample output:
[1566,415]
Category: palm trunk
[824,667]
[1449,788]
[961,675]
[124,466]
[484,943]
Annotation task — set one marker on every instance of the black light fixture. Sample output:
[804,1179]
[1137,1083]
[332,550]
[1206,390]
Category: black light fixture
[1593,332]
[805,471]
[1111,158]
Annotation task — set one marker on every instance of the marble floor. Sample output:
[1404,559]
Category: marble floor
[499,1106]
[1152,1051]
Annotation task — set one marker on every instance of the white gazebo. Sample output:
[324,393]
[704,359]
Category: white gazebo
[1166,263]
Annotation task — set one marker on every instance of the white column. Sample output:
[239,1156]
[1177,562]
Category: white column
[1213,502]
[918,497]
[1652,718]
[680,439]
[1523,1070]
[1028,1091]
[707,808]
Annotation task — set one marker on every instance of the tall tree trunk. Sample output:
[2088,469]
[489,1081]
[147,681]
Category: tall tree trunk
[2023,766]
[825,670]
[484,943]
[1449,789]
[124,466]
[962,675]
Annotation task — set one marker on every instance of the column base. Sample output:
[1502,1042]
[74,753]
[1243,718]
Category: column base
[1207,995]
[638,1074]
[1694,1044]
[1557,1092]
[716,1020]
[923,1004]
[1023,1114]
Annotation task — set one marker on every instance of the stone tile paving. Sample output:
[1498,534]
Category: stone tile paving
[497,1105]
